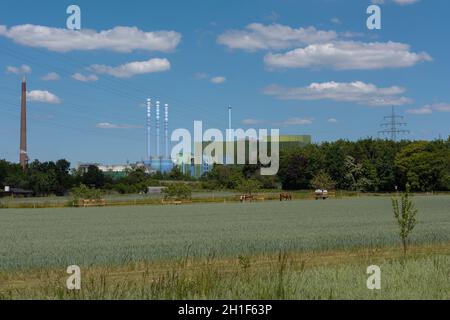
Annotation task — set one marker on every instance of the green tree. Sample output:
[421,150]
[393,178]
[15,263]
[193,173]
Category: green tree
[84,192]
[179,191]
[249,186]
[94,177]
[322,180]
[295,171]
[425,165]
[405,214]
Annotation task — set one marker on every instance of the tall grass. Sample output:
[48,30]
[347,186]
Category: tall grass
[415,277]
[46,238]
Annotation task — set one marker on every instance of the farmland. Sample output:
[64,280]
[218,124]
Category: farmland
[42,242]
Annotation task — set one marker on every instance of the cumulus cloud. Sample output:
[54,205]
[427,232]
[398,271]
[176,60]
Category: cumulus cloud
[348,55]
[218,80]
[119,39]
[332,120]
[107,125]
[42,96]
[309,48]
[357,92]
[133,68]
[52,76]
[257,36]
[431,108]
[23,69]
[81,77]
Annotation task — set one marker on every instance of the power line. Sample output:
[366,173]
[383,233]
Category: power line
[393,125]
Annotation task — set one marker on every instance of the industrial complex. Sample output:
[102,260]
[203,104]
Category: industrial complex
[161,160]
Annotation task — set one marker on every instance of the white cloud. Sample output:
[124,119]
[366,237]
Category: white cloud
[23,69]
[332,120]
[218,80]
[430,108]
[89,78]
[357,92]
[42,96]
[52,76]
[119,39]
[348,55]
[107,125]
[133,68]
[295,122]
[257,36]
[335,20]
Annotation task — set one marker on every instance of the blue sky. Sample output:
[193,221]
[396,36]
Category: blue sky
[306,67]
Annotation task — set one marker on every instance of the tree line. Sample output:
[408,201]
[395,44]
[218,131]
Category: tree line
[365,166]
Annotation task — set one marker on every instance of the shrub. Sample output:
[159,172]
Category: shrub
[178,191]
[84,192]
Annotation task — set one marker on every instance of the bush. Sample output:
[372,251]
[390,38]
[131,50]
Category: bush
[323,181]
[84,192]
[179,191]
[249,186]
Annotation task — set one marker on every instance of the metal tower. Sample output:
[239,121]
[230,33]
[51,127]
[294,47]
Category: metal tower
[393,125]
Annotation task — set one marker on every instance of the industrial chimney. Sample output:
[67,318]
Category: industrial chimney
[23,126]
[149,128]
[166,130]
[158,151]
[230,110]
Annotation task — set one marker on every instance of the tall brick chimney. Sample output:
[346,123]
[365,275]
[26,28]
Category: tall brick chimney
[23,126]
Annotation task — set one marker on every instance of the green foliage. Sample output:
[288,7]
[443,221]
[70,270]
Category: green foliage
[94,177]
[248,186]
[405,214]
[425,166]
[179,191]
[84,192]
[322,180]
[43,178]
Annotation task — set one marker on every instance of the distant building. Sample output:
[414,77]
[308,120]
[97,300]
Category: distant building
[187,164]
[116,171]
[15,192]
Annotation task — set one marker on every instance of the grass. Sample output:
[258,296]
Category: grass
[268,250]
[215,196]
[119,235]
[423,274]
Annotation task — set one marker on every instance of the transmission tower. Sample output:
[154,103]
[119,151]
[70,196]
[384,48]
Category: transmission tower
[393,126]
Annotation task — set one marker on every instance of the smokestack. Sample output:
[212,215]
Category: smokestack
[23,126]
[149,128]
[158,152]
[166,129]
[230,109]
